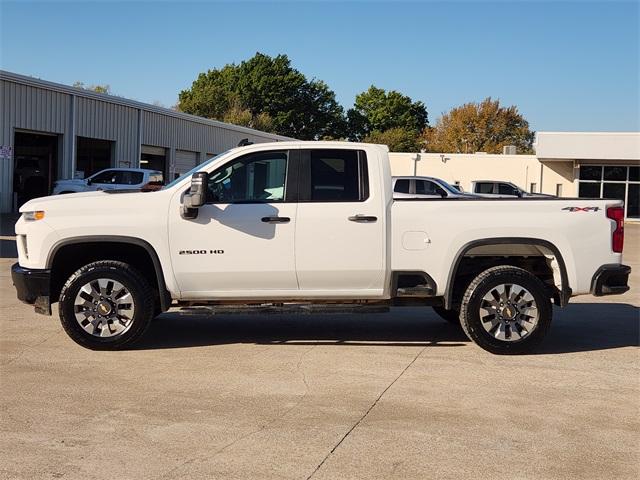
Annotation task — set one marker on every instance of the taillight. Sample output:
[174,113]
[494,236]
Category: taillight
[617,238]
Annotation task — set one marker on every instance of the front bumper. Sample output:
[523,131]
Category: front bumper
[610,280]
[33,287]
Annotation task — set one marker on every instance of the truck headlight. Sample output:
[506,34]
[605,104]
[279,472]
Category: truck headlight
[33,216]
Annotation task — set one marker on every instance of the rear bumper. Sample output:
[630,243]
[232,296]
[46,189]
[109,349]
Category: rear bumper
[610,280]
[33,287]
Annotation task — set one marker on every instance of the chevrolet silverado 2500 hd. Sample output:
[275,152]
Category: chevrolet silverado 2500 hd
[312,226]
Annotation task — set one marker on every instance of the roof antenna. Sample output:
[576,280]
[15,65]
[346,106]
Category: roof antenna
[244,142]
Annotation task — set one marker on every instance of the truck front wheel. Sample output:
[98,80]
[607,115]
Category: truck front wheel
[506,310]
[106,305]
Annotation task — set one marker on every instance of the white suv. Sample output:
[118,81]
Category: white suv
[111,179]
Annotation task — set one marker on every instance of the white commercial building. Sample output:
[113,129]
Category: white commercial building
[566,164]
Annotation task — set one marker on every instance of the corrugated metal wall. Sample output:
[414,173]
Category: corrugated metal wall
[39,106]
[107,121]
[32,109]
[166,131]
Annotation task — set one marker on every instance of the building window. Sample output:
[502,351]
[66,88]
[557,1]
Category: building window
[614,182]
[534,188]
[590,172]
[558,189]
[589,190]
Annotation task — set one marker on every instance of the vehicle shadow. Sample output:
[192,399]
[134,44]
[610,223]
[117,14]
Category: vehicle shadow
[399,328]
[582,327]
[8,249]
[577,328]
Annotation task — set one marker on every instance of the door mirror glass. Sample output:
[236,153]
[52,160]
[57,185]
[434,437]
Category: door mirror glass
[197,193]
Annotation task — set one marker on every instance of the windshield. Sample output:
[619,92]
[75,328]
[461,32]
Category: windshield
[448,187]
[192,171]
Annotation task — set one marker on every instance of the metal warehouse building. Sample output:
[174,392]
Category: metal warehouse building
[51,131]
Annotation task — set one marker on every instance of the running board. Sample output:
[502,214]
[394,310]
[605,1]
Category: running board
[285,308]
[421,291]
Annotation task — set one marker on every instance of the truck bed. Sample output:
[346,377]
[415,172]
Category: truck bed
[433,233]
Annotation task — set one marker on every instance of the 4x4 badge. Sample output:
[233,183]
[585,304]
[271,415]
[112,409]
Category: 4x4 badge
[582,209]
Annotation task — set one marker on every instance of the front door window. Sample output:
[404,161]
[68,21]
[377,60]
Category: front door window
[255,178]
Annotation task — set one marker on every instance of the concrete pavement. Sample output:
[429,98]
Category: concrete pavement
[398,395]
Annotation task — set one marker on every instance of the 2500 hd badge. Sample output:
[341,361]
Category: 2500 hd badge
[200,252]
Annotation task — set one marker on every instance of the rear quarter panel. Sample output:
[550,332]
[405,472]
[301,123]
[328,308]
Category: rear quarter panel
[582,237]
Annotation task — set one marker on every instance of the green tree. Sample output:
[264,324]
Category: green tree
[480,127]
[94,88]
[379,110]
[267,91]
[238,115]
[398,139]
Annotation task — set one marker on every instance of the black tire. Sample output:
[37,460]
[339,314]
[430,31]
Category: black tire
[483,284]
[451,316]
[143,299]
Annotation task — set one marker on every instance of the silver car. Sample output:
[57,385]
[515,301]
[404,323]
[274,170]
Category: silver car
[501,189]
[425,187]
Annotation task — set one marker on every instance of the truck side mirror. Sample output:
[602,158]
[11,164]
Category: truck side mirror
[196,196]
[89,182]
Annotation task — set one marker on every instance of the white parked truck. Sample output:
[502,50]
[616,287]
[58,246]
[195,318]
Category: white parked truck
[111,179]
[312,227]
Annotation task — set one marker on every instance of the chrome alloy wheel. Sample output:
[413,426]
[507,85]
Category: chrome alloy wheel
[509,312]
[104,308]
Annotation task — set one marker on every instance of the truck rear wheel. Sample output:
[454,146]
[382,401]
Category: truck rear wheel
[506,310]
[106,305]
[451,316]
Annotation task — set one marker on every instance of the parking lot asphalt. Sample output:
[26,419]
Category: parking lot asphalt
[397,395]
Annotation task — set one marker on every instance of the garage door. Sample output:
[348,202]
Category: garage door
[185,161]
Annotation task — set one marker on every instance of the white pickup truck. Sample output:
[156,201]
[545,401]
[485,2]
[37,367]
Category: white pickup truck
[312,227]
[111,179]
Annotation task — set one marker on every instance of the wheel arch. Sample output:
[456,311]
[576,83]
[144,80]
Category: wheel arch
[163,292]
[564,292]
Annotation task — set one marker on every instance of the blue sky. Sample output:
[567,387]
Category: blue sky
[566,65]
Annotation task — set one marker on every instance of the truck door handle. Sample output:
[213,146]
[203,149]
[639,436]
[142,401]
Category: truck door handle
[276,219]
[363,218]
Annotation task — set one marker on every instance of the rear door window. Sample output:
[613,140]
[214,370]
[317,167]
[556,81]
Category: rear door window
[402,185]
[338,175]
[484,187]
